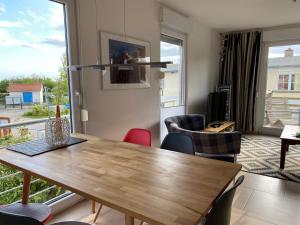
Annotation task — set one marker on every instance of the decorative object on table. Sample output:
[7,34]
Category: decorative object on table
[117,49]
[57,131]
[37,147]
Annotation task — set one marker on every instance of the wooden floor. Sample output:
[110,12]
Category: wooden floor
[260,200]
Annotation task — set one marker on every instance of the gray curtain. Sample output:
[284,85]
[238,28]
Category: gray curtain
[239,69]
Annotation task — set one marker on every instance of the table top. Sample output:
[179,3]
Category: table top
[154,185]
[225,125]
[289,132]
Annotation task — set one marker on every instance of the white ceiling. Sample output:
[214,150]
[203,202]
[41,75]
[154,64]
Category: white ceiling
[229,15]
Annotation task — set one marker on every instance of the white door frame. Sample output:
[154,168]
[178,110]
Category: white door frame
[181,36]
[182,108]
[73,59]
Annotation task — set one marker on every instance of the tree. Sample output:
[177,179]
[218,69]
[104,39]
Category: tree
[4,86]
[34,78]
[61,89]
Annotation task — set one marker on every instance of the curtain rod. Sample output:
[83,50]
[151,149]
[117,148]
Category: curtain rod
[242,31]
[288,26]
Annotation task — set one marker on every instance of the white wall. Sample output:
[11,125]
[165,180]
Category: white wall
[113,112]
[37,97]
[282,34]
[202,66]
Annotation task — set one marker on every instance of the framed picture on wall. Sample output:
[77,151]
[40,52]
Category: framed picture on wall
[116,49]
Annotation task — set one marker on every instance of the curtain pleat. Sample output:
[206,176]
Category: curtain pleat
[239,69]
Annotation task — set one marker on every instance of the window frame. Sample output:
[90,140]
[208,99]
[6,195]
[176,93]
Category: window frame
[262,86]
[177,35]
[289,88]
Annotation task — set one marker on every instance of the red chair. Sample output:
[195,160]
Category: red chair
[138,136]
[135,136]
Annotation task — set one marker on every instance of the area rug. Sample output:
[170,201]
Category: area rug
[261,155]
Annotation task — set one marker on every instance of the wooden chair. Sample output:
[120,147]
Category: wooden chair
[5,131]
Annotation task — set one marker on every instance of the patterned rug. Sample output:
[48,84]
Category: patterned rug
[261,155]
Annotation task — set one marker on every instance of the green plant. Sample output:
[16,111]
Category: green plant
[43,111]
[38,110]
[60,91]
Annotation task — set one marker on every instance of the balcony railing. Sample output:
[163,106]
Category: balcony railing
[280,111]
[11,180]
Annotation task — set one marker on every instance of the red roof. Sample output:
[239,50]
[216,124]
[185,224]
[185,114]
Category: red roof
[25,87]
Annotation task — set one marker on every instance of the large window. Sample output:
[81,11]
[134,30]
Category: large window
[33,80]
[172,86]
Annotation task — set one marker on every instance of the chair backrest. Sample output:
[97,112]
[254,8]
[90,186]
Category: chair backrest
[221,210]
[178,142]
[11,219]
[217,143]
[194,122]
[138,136]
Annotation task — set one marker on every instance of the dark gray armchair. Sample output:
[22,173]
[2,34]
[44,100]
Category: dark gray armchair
[223,146]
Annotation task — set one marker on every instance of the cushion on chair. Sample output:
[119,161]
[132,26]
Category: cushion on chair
[217,143]
[40,212]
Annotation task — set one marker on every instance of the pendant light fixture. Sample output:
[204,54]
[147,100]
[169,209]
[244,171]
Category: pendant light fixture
[124,66]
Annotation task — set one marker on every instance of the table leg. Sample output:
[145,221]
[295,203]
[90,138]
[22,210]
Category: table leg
[26,188]
[93,206]
[129,220]
[284,147]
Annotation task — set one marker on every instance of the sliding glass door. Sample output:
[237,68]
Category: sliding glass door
[281,87]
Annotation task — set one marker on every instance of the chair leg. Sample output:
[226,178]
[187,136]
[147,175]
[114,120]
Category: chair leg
[97,214]
[142,222]
[93,206]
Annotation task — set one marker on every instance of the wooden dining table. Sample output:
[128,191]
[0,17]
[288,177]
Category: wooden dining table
[151,184]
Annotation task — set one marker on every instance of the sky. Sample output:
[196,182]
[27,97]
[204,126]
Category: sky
[169,52]
[32,38]
[278,51]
